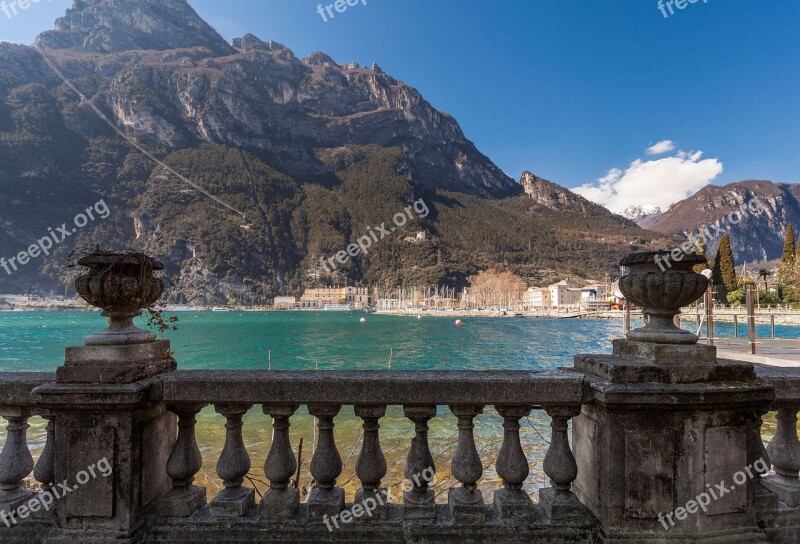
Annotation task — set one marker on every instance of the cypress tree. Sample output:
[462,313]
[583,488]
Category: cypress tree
[724,270]
[700,249]
[789,246]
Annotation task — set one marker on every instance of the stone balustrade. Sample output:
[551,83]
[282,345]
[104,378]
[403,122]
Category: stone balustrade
[465,394]
[184,509]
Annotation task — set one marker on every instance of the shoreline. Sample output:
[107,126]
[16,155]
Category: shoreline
[20,303]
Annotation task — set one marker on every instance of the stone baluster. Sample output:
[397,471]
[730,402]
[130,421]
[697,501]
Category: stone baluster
[559,465]
[326,466]
[16,461]
[512,466]
[764,500]
[371,464]
[784,453]
[45,470]
[466,502]
[184,463]
[419,467]
[233,465]
[280,501]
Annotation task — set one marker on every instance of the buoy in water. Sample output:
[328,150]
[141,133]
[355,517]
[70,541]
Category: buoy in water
[459,322]
[363,320]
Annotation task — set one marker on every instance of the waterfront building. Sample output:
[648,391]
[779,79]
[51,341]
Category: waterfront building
[388,304]
[357,297]
[537,298]
[564,293]
[285,303]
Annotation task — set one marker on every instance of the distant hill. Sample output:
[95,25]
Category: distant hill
[313,153]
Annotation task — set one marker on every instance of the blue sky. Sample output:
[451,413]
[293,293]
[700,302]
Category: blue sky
[570,90]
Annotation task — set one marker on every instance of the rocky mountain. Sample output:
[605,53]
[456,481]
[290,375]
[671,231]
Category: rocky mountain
[269,163]
[644,216]
[108,26]
[166,77]
[755,237]
[551,197]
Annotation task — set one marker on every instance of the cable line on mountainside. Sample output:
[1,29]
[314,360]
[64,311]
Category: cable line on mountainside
[130,140]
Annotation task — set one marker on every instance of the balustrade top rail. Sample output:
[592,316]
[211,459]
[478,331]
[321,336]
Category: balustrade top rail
[561,386]
[786,382]
[16,387]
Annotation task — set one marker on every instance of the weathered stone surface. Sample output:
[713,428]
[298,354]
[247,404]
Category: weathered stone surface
[391,388]
[676,439]
[182,503]
[664,354]
[785,381]
[615,369]
[116,364]
[649,472]
[16,387]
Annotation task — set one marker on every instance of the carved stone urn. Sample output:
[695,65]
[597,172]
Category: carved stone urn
[662,285]
[122,285]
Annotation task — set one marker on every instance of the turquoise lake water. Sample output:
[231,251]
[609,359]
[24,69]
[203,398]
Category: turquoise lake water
[35,341]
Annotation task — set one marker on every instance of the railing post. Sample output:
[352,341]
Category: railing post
[326,466]
[280,501]
[16,461]
[512,466]
[784,452]
[466,502]
[419,468]
[371,463]
[109,421]
[184,463]
[751,319]
[233,465]
[710,316]
[666,421]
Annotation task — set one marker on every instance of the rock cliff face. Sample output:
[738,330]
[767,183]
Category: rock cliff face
[108,26]
[169,79]
[552,197]
[757,236]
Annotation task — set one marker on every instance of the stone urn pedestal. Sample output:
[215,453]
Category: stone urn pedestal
[121,285]
[103,406]
[667,423]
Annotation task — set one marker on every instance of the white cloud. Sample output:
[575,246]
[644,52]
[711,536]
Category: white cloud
[664,146]
[658,182]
